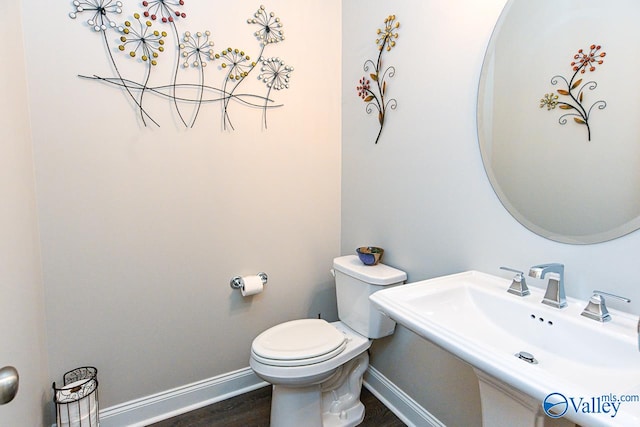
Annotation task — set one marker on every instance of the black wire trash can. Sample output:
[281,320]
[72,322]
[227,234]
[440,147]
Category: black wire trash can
[77,400]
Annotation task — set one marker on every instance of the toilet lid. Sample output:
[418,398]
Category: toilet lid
[298,342]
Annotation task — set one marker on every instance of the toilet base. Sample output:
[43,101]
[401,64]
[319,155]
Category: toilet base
[296,406]
[333,403]
[347,418]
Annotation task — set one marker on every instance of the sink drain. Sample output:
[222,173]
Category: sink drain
[527,357]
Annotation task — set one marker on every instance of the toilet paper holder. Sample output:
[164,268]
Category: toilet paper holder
[236,282]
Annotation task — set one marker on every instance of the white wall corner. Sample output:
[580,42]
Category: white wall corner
[400,403]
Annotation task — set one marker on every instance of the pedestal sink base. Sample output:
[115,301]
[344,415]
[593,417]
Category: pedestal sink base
[503,405]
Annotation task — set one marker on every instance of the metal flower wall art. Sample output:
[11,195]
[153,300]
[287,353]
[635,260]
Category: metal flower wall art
[571,98]
[373,89]
[151,36]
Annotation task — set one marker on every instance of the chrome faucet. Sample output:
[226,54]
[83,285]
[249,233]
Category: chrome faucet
[554,296]
[596,308]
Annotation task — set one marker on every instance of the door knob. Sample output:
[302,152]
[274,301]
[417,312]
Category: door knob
[9,380]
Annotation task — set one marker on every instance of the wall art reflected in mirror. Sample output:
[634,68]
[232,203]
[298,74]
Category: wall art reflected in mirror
[559,117]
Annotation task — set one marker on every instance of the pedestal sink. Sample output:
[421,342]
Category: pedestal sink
[527,356]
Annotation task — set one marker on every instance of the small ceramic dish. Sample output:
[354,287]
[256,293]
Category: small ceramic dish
[370,255]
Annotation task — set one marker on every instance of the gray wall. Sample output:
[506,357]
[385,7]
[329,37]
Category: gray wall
[422,192]
[143,227]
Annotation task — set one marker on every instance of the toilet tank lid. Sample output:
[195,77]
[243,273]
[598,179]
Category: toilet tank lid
[379,274]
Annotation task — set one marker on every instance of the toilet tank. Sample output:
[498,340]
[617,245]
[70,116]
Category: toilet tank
[354,283]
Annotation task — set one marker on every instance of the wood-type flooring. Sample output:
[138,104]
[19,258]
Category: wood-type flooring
[253,409]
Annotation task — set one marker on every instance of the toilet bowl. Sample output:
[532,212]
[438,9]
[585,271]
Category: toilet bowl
[300,383]
[316,367]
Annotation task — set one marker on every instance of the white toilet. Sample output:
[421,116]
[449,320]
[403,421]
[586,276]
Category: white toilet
[316,367]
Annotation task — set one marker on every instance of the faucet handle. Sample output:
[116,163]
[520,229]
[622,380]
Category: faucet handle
[513,270]
[596,308]
[603,293]
[519,284]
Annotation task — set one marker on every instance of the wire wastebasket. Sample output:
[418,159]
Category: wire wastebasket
[77,400]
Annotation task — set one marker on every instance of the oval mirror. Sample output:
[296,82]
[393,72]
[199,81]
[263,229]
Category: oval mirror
[559,117]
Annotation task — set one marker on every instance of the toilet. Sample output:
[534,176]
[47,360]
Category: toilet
[316,367]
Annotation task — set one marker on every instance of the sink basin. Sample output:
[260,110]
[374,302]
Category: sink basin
[472,316]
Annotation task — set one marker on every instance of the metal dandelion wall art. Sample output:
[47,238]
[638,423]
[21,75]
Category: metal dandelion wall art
[196,50]
[98,12]
[373,89]
[167,12]
[275,74]
[144,43]
[151,35]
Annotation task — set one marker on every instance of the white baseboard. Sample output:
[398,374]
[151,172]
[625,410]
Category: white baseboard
[167,404]
[405,408]
[160,406]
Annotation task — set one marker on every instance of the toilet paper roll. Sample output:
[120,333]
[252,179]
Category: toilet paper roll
[251,285]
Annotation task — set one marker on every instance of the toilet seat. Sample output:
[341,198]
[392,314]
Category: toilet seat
[298,343]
